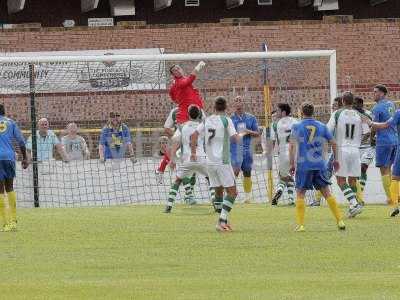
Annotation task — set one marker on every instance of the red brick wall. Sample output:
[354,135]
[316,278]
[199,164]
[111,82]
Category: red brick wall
[367,53]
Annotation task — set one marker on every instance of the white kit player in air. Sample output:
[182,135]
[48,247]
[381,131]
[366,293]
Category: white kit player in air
[185,167]
[347,127]
[280,134]
[219,131]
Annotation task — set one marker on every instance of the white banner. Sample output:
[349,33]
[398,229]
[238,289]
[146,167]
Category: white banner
[84,76]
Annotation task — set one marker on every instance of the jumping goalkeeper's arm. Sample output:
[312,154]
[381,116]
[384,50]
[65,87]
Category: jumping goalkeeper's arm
[198,68]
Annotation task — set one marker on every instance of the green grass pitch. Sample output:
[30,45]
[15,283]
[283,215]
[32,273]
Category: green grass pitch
[137,252]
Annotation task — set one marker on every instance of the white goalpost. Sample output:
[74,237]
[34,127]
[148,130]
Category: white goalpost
[83,87]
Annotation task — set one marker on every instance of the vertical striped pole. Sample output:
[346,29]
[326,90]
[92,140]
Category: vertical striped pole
[267,112]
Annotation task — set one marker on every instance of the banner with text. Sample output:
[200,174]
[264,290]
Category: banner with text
[83,76]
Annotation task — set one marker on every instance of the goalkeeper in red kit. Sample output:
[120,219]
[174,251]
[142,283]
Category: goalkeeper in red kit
[182,91]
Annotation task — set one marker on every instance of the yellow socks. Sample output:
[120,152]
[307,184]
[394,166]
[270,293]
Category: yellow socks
[247,184]
[386,179]
[318,196]
[394,193]
[300,210]
[3,214]
[12,200]
[334,208]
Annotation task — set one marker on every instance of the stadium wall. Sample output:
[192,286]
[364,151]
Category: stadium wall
[367,53]
[54,12]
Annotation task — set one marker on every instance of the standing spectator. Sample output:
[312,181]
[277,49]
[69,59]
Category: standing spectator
[46,142]
[74,144]
[115,139]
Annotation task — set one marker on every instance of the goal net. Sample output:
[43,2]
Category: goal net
[84,88]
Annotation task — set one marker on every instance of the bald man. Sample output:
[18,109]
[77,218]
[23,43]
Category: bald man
[46,142]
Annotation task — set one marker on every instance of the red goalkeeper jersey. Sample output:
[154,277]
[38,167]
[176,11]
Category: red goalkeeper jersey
[184,94]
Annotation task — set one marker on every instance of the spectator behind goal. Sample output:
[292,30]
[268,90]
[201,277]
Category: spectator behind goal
[115,139]
[75,145]
[47,140]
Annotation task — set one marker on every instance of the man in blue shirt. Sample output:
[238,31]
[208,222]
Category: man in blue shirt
[242,153]
[9,133]
[395,178]
[115,139]
[386,139]
[307,142]
[46,141]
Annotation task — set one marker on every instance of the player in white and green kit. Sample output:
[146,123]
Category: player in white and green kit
[367,148]
[346,125]
[170,127]
[186,167]
[281,134]
[219,131]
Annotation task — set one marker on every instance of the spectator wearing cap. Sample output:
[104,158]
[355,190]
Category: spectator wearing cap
[115,139]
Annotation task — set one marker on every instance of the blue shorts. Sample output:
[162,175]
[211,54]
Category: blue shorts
[329,167]
[385,155]
[7,169]
[396,166]
[311,179]
[243,161]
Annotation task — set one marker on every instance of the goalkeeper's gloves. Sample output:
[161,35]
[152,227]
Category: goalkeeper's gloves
[159,177]
[200,66]
[133,159]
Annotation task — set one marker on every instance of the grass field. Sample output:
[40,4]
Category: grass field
[137,252]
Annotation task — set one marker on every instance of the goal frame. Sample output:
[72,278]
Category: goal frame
[331,54]
[10,57]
